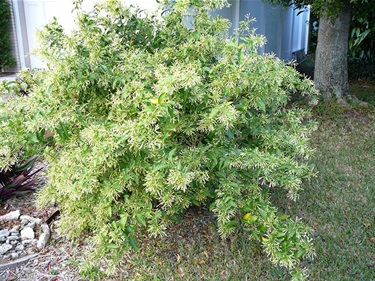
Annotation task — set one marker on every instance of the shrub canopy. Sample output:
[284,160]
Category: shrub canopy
[141,116]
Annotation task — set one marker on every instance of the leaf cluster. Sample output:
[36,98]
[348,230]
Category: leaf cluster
[362,34]
[143,116]
[331,8]
[18,178]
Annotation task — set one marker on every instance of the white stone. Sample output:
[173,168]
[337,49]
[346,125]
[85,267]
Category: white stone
[11,216]
[15,255]
[27,233]
[31,225]
[13,237]
[44,237]
[4,233]
[20,248]
[27,241]
[26,218]
[5,248]
[14,232]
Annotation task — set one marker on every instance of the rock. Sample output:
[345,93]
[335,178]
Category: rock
[17,263]
[14,242]
[5,248]
[15,255]
[27,233]
[11,216]
[15,229]
[44,237]
[4,233]
[31,225]
[27,241]
[20,248]
[3,239]
[26,219]
[13,237]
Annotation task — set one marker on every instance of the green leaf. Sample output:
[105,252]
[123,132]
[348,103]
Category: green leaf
[130,230]
[49,89]
[300,253]
[207,69]
[140,220]
[283,216]
[123,221]
[214,112]
[171,154]
[161,98]
[262,213]
[112,246]
[291,234]
[116,82]
[27,164]
[253,219]
[24,86]
[260,104]
[231,224]
[133,243]
[160,167]
[229,135]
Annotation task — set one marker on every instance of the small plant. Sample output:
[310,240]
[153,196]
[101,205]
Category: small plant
[18,179]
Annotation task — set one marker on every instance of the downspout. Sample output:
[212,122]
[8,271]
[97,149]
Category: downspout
[293,32]
[237,14]
[307,29]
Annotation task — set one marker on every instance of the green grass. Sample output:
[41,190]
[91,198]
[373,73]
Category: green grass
[364,91]
[338,205]
[340,202]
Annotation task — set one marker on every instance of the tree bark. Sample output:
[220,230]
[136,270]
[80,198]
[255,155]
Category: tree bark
[331,61]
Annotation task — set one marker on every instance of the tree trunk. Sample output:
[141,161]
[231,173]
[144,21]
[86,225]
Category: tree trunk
[331,62]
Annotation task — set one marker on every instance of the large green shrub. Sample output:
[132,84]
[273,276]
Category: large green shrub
[148,116]
[6,58]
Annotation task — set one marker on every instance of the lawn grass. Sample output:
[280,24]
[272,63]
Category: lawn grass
[340,202]
[364,91]
[338,205]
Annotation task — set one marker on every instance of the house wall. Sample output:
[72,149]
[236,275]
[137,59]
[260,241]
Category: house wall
[285,31]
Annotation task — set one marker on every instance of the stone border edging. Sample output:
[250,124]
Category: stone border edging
[18,262]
